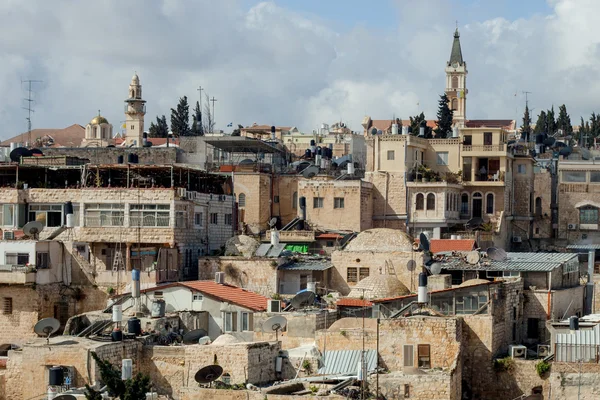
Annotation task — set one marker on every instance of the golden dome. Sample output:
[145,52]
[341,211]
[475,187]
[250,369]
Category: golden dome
[99,119]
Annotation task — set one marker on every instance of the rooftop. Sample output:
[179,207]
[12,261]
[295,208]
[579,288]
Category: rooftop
[540,262]
[239,144]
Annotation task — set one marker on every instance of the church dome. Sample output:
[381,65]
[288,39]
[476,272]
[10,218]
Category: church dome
[379,287]
[381,240]
[98,119]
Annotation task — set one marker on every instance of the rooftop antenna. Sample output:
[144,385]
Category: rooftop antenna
[213,112]
[29,108]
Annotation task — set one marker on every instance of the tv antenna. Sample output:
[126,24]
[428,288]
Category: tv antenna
[46,327]
[29,107]
[208,374]
[275,324]
[526,93]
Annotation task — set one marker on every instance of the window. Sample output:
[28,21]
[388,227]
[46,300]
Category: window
[487,138]
[16,258]
[454,104]
[317,202]
[573,176]
[420,201]
[595,176]
[48,214]
[180,219]
[7,305]
[469,304]
[533,328]
[431,201]
[588,215]
[230,322]
[423,356]
[489,203]
[447,202]
[42,260]
[390,155]
[510,274]
[214,218]
[197,297]
[455,82]
[149,215]
[275,199]
[338,202]
[246,321]
[198,219]
[228,219]
[7,214]
[242,200]
[97,214]
[295,200]
[522,169]
[409,355]
[538,206]
[442,158]
[363,273]
[352,275]
[464,204]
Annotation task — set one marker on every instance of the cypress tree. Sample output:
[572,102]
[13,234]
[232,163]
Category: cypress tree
[444,117]
[526,126]
[197,129]
[180,118]
[563,121]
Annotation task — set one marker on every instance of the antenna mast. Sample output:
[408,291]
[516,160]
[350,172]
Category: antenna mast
[29,108]
[526,93]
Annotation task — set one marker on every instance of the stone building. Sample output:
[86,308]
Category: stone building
[98,133]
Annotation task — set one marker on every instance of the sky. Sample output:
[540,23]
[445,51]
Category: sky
[294,62]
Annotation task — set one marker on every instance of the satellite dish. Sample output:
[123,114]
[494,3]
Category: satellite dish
[424,241]
[65,397]
[192,337]
[474,223]
[549,141]
[374,131]
[46,327]
[274,324]
[310,172]
[435,268]
[496,254]
[247,161]
[303,299]
[33,228]
[473,257]
[565,151]
[19,152]
[411,265]
[272,222]
[208,374]
[204,340]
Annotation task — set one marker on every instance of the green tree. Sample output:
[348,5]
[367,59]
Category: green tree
[130,389]
[551,122]
[160,129]
[197,129]
[526,126]
[563,121]
[445,116]
[180,118]
[237,131]
[416,122]
[540,125]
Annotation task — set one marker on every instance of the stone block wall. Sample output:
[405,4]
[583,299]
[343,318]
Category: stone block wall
[254,274]
[389,199]
[256,187]
[542,189]
[109,155]
[430,386]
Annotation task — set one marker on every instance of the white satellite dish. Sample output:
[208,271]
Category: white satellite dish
[276,324]
[33,228]
[272,222]
[473,257]
[496,254]
[435,268]
[310,172]
[204,340]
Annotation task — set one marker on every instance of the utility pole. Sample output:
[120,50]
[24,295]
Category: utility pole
[213,113]
[29,108]
[200,89]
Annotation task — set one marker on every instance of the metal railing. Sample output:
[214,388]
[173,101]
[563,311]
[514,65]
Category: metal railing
[160,221]
[489,147]
[104,221]
[13,268]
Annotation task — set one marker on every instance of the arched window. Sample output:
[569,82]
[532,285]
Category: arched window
[431,201]
[242,200]
[538,206]
[295,200]
[456,202]
[420,201]
[489,203]
[477,208]
[454,82]
[454,106]
[447,202]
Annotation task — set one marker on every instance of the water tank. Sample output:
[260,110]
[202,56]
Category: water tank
[455,132]
[350,168]
[539,139]
[405,130]
[127,368]
[56,376]
[274,237]
[458,237]
[120,159]
[158,308]
[323,163]
[312,142]
[394,129]
[135,274]
[453,237]
[13,146]
[135,289]
[422,293]
[307,153]
[311,287]
[144,138]
[574,323]
[319,150]
[117,313]
[134,326]
[422,131]
[117,335]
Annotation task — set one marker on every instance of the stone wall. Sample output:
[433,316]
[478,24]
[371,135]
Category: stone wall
[254,274]
[109,155]
[256,187]
[542,225]
[300,329]
[429,386]
[389,199]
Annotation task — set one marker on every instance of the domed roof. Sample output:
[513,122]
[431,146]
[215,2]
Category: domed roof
[135,80]
[379,287]
[473,282]
[381,240]
[98,119]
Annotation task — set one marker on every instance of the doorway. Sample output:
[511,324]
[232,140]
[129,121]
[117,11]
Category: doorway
[477,205]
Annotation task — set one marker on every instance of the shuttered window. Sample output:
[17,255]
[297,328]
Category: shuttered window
[409,355]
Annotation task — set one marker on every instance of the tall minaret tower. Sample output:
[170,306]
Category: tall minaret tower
[456,82]
[135,109]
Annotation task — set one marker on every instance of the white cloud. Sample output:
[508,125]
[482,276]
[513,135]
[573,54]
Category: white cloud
[272,65]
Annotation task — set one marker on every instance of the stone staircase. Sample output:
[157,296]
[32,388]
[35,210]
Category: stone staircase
[84,264]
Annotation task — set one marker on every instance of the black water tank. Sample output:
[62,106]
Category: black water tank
[574,323]
[312,142]
[120,159]
[117,335]
[302,202]
[56,376]
[307,153]
[134,326]
[319,150]
[539,139]
[422,279]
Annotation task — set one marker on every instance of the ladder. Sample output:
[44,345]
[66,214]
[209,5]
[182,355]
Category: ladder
[118,263]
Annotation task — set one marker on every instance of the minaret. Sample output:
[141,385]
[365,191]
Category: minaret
[135,109]
[456,82]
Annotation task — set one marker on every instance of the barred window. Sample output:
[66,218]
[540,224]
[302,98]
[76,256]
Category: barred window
[352,275]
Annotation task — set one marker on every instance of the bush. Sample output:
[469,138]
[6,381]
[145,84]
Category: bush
[307,367]
[506,364]
[542,368]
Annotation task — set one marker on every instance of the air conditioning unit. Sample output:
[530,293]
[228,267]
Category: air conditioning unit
[220,278]
[543,350]
[517,351]
[190,195]
[8,235]
[273,306]
[572,227]
[516,239]
[181,192]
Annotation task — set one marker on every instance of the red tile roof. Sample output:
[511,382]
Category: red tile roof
[440,245]
[350,302]
[329,236]
[228,293]
[71,136]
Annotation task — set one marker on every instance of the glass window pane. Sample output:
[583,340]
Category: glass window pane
[573,176]
[595,176]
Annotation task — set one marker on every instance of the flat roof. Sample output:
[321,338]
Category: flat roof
[241,144]
[534,262]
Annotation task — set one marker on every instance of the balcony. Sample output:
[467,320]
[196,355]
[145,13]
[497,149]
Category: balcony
[16,274]
[467,148]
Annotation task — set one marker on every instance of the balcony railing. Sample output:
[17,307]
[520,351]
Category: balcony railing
[16,274]
[491,147]
[105,221]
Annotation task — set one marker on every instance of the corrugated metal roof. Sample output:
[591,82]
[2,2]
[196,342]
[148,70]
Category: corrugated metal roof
[346,362]
[584,246]
[306,266]
[540,262]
